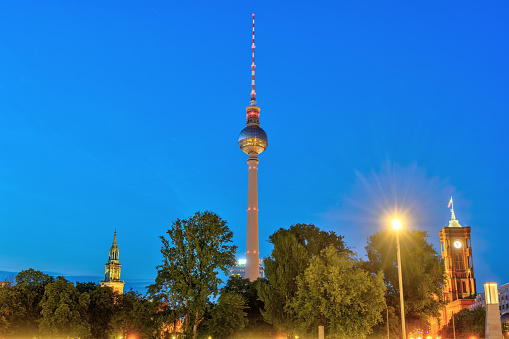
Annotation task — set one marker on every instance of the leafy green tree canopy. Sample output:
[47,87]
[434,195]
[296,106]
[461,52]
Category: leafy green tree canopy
[36,305]
[249,291]
[130,316]
[293,250]
[64,311]
[313,239]
[228,316]
[197,249]
[287,261]
[7,308]
[87,287]
[21,310]
[336,292]
[100,309]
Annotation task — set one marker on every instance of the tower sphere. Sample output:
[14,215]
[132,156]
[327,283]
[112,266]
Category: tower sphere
[253,139]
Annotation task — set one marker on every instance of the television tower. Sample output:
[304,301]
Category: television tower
[252,141]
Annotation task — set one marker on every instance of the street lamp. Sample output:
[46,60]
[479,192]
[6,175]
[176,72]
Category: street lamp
[396,224]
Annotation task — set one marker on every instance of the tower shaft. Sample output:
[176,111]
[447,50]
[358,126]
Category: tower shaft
[252,251]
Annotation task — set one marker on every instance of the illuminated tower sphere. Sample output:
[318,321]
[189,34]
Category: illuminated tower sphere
[252,141]
[112,270]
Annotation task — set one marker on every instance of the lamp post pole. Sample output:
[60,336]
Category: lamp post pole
[397,225]
[453,327]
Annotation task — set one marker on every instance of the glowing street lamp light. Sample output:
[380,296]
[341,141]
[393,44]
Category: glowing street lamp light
[396,224]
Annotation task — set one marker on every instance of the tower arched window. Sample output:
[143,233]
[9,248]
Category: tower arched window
[459,261]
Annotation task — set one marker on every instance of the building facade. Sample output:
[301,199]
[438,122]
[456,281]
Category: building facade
[239,270]
[503,298]
[112,269]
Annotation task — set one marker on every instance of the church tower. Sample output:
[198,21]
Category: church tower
[112,271]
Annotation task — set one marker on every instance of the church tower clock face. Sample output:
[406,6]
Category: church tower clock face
[457,244]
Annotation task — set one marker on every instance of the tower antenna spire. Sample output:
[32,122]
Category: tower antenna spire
[253,67]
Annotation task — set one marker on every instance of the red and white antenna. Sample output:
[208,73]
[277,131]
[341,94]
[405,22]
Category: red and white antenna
[253,66]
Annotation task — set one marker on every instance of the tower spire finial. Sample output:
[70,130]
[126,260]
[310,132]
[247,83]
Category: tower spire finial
[451,205]
[253,67]
[114,239]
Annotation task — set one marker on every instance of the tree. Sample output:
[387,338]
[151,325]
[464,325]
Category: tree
[422,270]
[249,291]
[130,315]
[467,323]
[64,311]
[293,250]
[88,287]
[312,238]
[7,308]
[336,292]
[228,316]
[147,320]
[380,330]
[20,302]
[100,309]
[197,249]
[287,261]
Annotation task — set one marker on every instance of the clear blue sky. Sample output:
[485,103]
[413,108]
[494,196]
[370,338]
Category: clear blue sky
[125,115]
